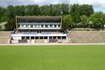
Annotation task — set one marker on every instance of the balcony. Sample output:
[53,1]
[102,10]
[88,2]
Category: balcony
[31,26]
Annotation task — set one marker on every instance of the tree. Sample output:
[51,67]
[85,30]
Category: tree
[10,13]
[77,10]
[2,12]
[84,21]
[86,9]
[20,10]
[98,19]
[67,22]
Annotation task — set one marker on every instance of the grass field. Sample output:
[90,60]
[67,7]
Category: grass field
[52,57]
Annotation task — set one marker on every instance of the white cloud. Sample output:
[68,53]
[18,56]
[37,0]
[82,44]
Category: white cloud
[95,3]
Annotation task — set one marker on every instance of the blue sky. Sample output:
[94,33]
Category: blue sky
[99,5]
[99,9]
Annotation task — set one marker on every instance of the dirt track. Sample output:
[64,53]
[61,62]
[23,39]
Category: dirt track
[56,44]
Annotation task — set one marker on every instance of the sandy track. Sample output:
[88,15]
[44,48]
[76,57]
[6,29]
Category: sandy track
[56,44]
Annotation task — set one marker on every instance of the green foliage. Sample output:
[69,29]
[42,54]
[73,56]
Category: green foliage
[84,21]
[76,15]
[77,10]
[97,19]
[2,12]
[67,22]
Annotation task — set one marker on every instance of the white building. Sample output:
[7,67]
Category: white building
[38,29]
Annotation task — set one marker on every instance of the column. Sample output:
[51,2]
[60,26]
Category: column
[33,26]
[53,26]
[20,26]
[30,39]
[39,26]
[48,26]
[48,39]
[24,26]
[36,26]
[29,26]
[43,26]
[57,26]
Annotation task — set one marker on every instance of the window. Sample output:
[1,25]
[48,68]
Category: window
[50,25]
[31,25]
[36,37]
[50,37]
[46,26]
[41,37]
[63,37]
[54,25]
[45,37]
[23,38]
[58,25]
[54,37]
[27,26]
[27,37]
[32,37]
[18,25]
[41,25]
[59,37]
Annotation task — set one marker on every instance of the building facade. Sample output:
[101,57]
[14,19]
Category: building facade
[38,29]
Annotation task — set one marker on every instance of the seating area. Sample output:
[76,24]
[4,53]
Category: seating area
[5,37]
[87,36]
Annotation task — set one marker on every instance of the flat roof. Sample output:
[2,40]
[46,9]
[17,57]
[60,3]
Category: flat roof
[3,23]
[40,17]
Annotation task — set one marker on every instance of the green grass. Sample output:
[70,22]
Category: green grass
[52,57]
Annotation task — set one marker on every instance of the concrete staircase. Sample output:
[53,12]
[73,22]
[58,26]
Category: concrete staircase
[39,41]
[87,36]
[5,37]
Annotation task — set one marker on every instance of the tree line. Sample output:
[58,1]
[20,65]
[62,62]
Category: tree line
[73,15]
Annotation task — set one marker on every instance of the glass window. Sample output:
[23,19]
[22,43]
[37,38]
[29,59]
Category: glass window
[27,37]
[46,25]
[54,25]
[36,37]
[45,37]
[54,37]
[31,25]
[50,37]
[63,37]
[50,25]
[23,38]
[59,37]
[41,37]
[58,25]
[41,25]
[27,26]
[32,37]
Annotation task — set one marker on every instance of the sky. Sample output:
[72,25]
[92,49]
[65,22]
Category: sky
[99,5]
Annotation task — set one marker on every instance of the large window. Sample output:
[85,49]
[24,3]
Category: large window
[46,26]
[42,26]
[36,37]
[45,37]
[27,37]
[23,38]
[41,37]
[58,25]
[55,26]
[31,26]
[63,37]
[38,21]
[32,37]
[51,26]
